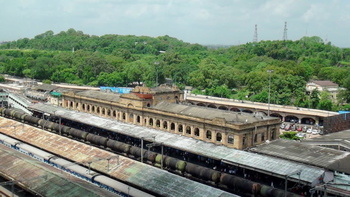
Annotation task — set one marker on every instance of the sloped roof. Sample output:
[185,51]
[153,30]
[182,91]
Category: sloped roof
[266,164]
[209,113]
[46,87]
[131,96]
[113,97]
[305,153]
[24,168]
[131,172]
[325,83]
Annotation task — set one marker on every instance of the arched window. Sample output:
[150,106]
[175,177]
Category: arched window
[218,137]
[196,132]
[98,110]
[150,122]
[212,106]
[138,119]
[123,116]
[263,137]
[165,125]
[83,107]
[172,126]
[230,139]
[88,107]
[114,113]
[188,130]
[256,138]
[93,109]
[273,132]
[180,128]
[201,104]
[223,108]
[131,117]
[103,111]
[158,123]
[208,134]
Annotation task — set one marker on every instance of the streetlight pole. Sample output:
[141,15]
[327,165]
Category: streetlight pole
[298,172]
[141,149]
[268,110]
[156,65]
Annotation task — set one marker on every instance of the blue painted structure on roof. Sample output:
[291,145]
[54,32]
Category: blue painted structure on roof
[116,89]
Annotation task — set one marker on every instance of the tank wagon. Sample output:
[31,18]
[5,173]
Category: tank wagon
[196,172]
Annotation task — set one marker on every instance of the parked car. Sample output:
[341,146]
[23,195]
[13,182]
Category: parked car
[293,127]
[315,132]
[283,126]
[300,128]
[301,135]
[304,128]
[287,127]
[309,130]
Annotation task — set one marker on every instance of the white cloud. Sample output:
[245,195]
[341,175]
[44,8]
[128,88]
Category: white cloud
[316,12]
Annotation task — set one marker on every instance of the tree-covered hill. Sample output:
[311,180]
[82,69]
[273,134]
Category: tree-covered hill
[238,71]
[77,40]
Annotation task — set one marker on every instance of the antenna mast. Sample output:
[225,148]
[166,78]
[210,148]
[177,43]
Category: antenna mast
[285,32]
[255,39]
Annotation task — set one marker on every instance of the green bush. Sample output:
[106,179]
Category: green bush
[290,135]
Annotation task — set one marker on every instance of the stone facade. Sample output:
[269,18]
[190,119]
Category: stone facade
[139,108]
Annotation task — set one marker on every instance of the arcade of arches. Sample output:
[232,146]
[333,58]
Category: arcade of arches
[283,116]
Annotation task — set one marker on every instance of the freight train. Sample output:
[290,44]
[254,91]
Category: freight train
[202,174]
[92,176]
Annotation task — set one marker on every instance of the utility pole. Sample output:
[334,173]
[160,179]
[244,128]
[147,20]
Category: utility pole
[298,172]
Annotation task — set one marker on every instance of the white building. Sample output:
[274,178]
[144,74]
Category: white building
[325,85]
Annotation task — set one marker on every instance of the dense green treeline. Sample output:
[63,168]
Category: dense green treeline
[237,72]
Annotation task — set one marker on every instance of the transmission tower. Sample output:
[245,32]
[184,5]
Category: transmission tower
[285,32]
[255,39]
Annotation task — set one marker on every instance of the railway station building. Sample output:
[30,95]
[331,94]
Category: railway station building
[162,108]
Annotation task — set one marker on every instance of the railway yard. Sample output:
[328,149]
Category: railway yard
[152,181]
[54,151]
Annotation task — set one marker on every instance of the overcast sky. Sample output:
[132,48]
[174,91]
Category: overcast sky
[227,22]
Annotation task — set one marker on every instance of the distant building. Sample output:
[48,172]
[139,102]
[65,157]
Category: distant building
[325,85]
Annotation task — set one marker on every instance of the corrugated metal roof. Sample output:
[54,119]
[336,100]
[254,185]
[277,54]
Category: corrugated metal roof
[259,162]
[135,173]
[296,151]
[26,169]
